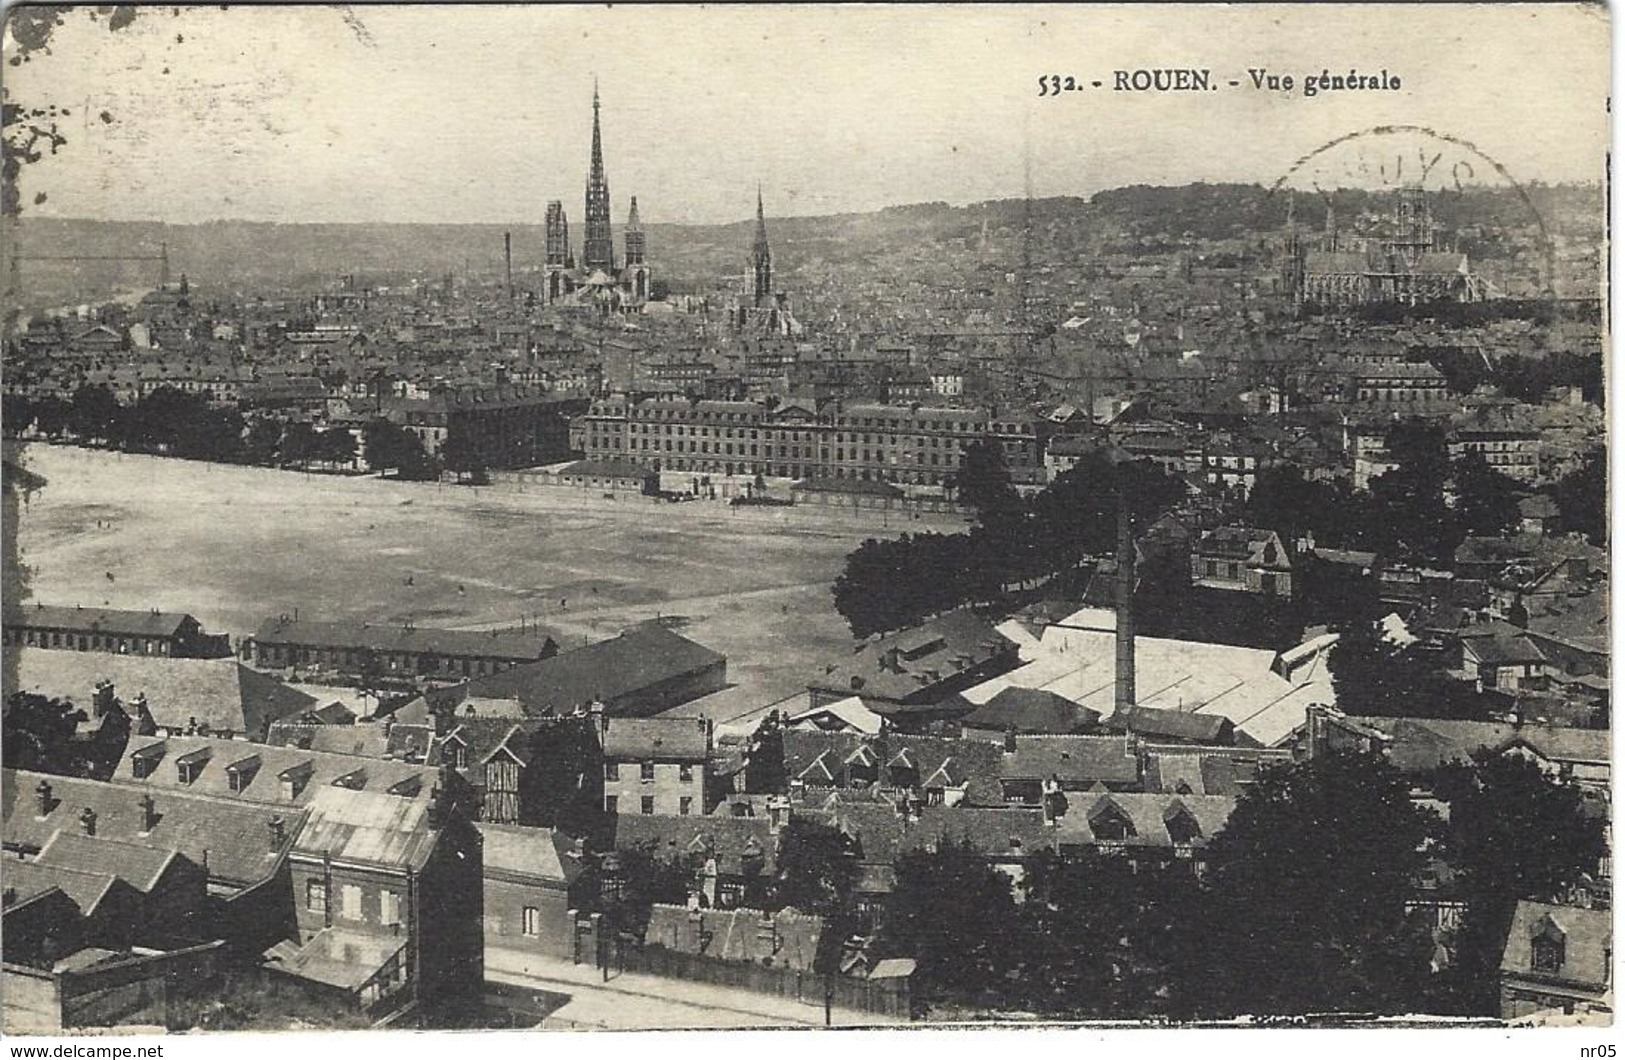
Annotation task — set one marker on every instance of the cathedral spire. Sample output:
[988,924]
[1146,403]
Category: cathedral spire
[598,252]
[761,255]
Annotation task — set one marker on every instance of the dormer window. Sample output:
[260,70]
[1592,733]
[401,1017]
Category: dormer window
[1110,824]
[1182,827]
[294,779]
[145,761]
[189,767]
[240,773]
[1546,949]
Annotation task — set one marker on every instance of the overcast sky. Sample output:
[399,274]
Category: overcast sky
[450,114]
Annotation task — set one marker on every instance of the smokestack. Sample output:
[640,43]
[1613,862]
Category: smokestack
[1125,617]
[507,258]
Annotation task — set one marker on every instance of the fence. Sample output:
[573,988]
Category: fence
[887,997]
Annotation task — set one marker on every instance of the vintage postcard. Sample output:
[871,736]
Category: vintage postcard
[895,516]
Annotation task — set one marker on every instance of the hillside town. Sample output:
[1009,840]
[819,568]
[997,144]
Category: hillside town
[1228,632]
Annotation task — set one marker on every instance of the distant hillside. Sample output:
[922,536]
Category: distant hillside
[244,258]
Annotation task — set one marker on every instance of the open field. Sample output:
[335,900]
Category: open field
[236,545]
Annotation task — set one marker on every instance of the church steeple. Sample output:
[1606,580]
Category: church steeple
[761,255]
[598,252]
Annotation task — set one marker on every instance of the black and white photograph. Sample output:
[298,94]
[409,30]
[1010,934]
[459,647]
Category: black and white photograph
[678,517]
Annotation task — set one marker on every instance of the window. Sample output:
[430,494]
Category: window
[350,898]
[612,771]
[685,772]
[389,908]
[648,805]
[531,926]
[1546,954]
[611,802]
[685,805]
[316,896]
[647,772]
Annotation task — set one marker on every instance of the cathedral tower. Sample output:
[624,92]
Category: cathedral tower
[558,261]
[761,256]
[598,252]
[636,277]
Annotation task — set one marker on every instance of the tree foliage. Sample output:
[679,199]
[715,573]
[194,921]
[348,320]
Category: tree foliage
[956,916]
[1306,892]
[1514,833]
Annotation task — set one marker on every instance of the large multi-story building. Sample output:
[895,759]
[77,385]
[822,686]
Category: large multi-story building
[490,427]
[905,444]
[1511,450]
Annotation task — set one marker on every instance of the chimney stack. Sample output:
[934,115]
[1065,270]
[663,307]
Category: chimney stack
[276,833]
[507,259]
[87,821]
[1010,740]
[1125,618]
[42,799]
[149,812]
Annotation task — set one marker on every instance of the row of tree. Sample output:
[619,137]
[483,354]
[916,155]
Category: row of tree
[176,423]
[1013,542]
[1303,907]
[1419,512]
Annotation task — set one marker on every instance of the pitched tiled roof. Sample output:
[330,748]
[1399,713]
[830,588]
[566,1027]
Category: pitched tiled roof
[908,665]
[531,852]
[1420,744]
[685,739]
[1586,935]
[641,658]
[141,866]
[1030,710]
[253,772]
[229,838]
[95,619]
[367,827]
[29,879]
[1149,815]
[732,840]
[788,939]
[523,645]
[1172,724]
[1076,760]
[220,693]
[819,759]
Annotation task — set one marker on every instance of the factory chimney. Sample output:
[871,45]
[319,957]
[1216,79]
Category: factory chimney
[507,260]
[1124,699]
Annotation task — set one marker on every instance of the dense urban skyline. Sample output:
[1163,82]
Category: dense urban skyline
[375,116]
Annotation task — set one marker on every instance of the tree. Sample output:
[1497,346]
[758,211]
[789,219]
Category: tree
[1108,939]
[336,446]
[984,481]
[95,414]
[300,444]
[817,870]
[1581,497]
[1486,500]
[260,445]
[38,733]
[955,915]
[642,879]
[1306,890]
[1514,833]
[1409,515]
